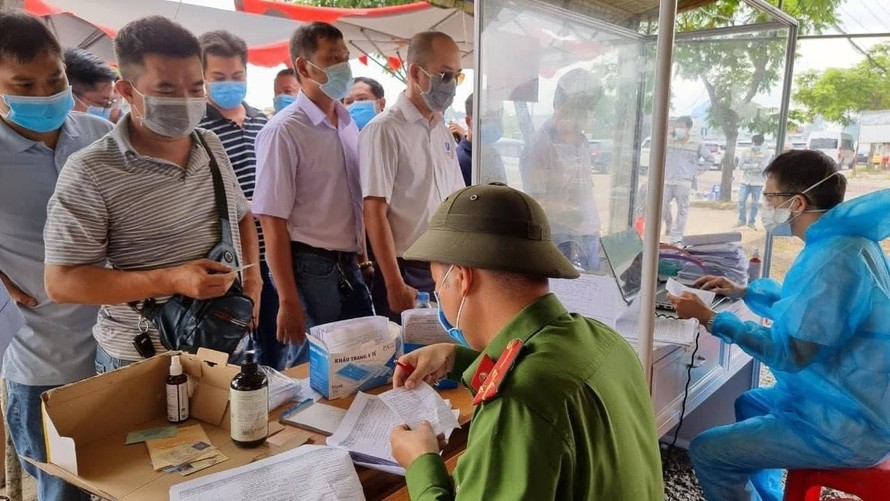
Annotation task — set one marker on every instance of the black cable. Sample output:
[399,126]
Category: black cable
[689,367]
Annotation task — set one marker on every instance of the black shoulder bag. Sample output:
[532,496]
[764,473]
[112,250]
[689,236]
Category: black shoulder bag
[219,323]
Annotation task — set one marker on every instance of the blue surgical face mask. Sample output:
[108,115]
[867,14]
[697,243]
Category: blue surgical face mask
[681,133]
[227,94]
[756,148]
[99,111]
[362,112]
[339,80]
[39,113]
[454,332]
[282,101]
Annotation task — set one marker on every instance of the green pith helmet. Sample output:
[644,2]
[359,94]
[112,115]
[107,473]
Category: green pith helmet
[492,227]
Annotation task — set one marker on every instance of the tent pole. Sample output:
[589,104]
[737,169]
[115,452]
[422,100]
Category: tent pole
[667,14]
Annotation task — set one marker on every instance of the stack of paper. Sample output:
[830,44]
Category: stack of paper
[307,472]
[722,259]
[370,420]
[320,418]
[421,404]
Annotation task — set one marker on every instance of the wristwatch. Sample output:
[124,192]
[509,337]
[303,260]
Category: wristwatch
[709,325]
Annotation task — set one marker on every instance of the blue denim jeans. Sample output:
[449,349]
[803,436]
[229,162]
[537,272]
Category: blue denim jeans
[107,363]
[419,278]
[330,290]
[25,421]
[744,461]
[746,190]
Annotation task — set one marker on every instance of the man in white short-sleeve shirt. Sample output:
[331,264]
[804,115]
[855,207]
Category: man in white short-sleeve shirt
[408,163]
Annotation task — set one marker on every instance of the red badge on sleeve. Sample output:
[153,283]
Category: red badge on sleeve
[490,380]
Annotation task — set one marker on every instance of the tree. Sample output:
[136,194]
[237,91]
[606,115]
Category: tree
[840,94]
[734,69]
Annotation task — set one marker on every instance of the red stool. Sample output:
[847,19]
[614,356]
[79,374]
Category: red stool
[872,484]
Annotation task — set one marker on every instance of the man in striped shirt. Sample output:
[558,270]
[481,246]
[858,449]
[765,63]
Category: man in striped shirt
[142,198]
[237,125]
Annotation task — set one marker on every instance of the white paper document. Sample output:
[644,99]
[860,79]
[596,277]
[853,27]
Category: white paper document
[667,329]
[349,335]
[593,296]
[365,430]
[421,403]
[307,472]
[677,289]
[320,418]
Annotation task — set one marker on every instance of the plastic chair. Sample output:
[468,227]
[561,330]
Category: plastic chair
[872,484]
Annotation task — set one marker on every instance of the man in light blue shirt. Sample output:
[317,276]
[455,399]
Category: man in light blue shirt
[680,168]
[38,132]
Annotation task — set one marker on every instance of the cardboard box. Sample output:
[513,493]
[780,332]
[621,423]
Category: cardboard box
[338,373]
[86,424]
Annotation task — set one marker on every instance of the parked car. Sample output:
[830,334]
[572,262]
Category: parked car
[717,151]
[600,154]
[837,145]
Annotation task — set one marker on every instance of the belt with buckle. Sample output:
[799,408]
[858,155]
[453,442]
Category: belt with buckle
[325,253]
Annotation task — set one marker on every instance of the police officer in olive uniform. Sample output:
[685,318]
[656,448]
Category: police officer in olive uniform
[562,407]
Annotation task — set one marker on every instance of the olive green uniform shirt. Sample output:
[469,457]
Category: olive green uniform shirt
[571,420]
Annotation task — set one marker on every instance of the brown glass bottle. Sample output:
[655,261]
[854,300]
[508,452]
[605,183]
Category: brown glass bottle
[249,405]
[177,392]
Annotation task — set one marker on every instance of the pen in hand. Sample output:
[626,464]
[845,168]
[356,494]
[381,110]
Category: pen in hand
[406,367]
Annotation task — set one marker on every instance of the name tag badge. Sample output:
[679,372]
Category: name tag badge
[449,149]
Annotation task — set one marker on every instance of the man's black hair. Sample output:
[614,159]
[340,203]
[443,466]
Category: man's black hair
[23,37]
[152,35]
[375,86]
[796,170]
[287,72]
[304,41]
[468,106]
[757,139]
[686,120]
[85,70]
[222,43]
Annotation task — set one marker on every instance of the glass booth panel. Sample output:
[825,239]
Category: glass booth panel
[560,117]
[724,130]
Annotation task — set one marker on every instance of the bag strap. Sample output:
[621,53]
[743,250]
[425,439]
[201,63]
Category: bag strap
[219,190]
[150,306]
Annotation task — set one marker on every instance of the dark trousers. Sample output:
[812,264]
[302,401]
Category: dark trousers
[331,288]
[415,274]
[272,353]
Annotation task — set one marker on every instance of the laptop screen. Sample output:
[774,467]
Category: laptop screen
[624,252]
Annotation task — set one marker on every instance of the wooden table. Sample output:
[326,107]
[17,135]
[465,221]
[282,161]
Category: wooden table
[377,484]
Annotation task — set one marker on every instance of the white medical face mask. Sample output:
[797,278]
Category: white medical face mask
[777,220]
[172,116]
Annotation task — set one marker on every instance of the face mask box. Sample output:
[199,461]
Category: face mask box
[421,327]
[87,422]
[349,356]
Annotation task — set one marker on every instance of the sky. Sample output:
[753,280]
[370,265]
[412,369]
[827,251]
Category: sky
[857,16]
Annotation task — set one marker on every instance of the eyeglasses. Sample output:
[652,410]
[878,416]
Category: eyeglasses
[772,194]
[447,76]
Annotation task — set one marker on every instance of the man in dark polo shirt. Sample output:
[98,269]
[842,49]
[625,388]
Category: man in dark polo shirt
[237,125]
